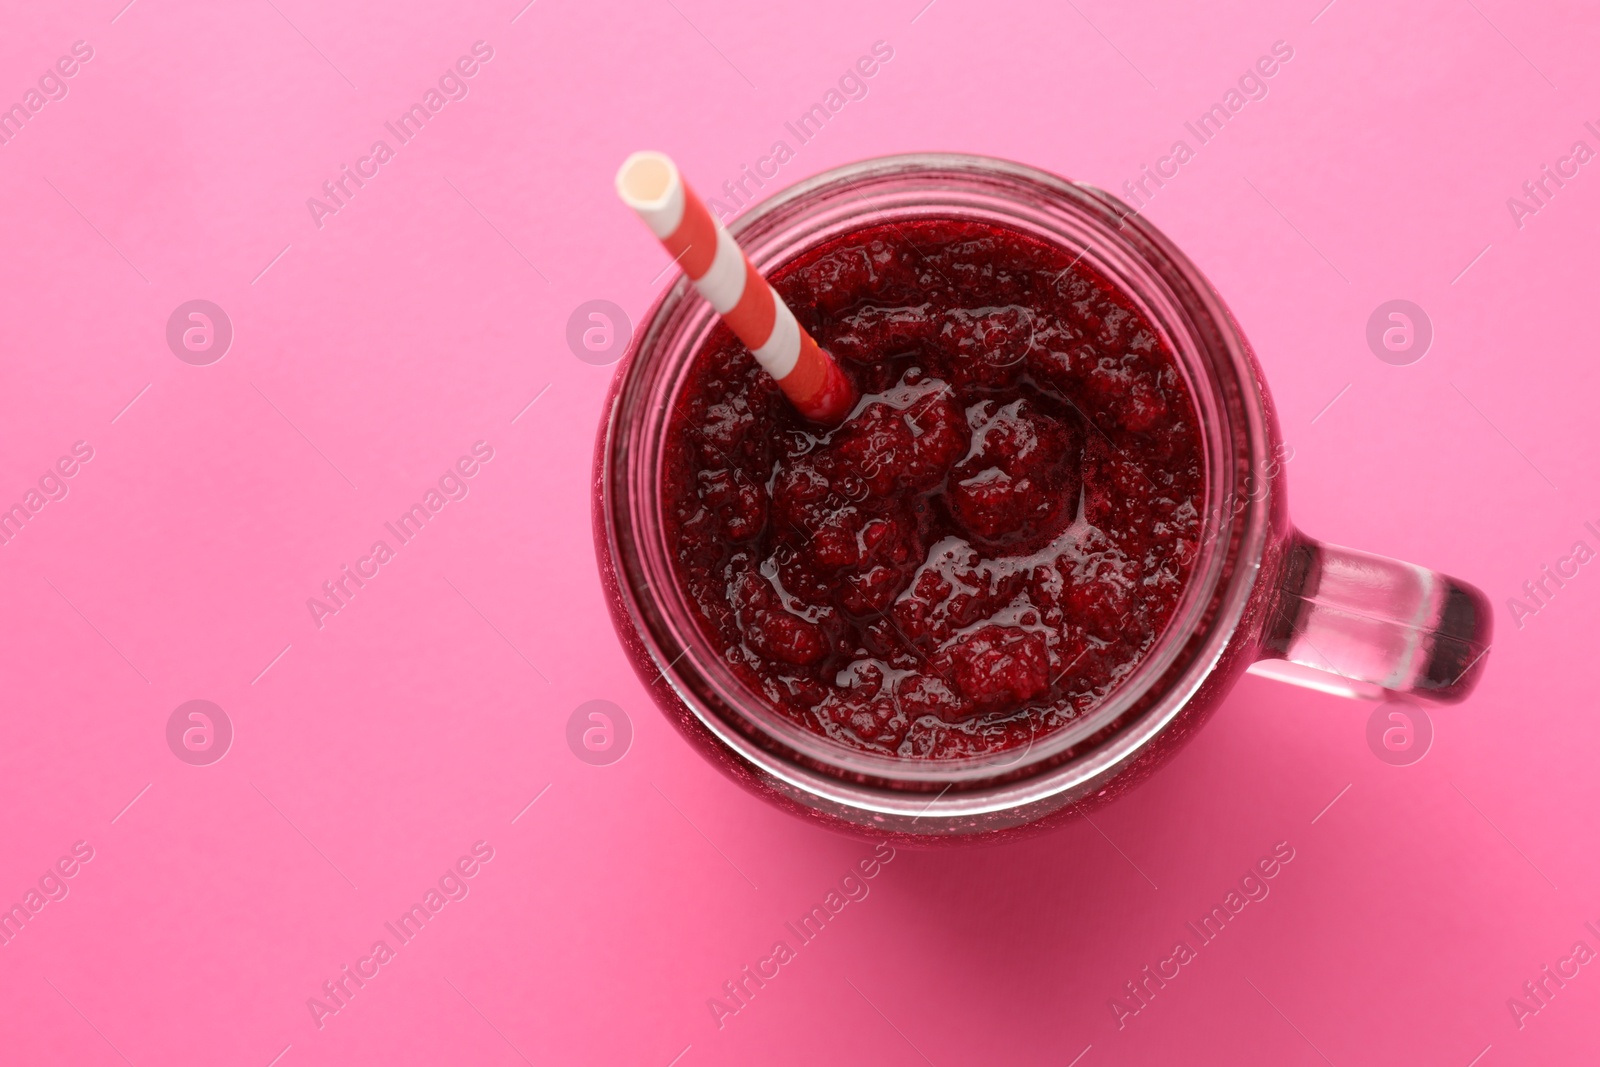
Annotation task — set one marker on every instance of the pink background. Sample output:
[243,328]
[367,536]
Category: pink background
[427,714]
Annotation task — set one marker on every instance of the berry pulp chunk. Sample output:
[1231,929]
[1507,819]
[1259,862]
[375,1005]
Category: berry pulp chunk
[996,536]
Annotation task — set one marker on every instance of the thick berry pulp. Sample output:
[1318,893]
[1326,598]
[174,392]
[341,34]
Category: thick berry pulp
[990,543]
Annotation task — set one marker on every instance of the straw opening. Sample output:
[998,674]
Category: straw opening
[646,181]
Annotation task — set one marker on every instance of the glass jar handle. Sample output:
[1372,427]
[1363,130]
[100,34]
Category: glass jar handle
[1362,625]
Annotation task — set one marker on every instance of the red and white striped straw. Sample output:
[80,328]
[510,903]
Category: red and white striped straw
[649,183]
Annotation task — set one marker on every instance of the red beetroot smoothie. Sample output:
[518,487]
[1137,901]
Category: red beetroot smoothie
[990,543]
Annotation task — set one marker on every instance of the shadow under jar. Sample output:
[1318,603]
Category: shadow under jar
[1048,540]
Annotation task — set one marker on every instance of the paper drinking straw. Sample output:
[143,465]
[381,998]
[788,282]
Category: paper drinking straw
[649,183]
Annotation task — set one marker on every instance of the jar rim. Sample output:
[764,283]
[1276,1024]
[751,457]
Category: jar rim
[1235,425]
